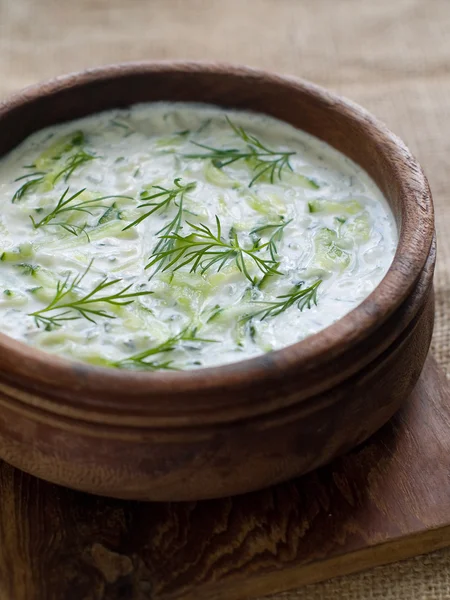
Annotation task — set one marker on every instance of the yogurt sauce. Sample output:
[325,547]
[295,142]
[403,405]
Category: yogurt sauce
[305,236]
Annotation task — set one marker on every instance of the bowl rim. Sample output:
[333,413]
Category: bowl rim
[415,239]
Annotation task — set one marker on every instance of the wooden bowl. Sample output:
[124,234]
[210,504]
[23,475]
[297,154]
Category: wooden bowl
[240,427]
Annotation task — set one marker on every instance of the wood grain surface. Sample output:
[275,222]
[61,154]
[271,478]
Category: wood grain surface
[385,501]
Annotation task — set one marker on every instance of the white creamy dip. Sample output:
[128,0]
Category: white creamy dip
[252,235]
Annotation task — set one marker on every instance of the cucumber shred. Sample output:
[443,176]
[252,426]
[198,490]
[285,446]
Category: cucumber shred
[218,177]
[329,254]
[334,207]
[359,229]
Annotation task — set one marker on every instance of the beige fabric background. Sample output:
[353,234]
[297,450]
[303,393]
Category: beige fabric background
[392,56]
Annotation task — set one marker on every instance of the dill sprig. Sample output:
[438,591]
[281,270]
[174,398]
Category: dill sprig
[86,306]
[168,240]
[203,249]
[141,358]
[162,199]
[32,180]
[264,160]
[74,229]
[66,204]
[302,297]
[166,196]
[277,230]
[80,157]
[73,162]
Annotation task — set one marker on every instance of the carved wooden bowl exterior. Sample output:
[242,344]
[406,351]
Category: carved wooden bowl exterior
[231,429]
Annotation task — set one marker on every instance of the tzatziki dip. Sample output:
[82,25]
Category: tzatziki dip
[180,236]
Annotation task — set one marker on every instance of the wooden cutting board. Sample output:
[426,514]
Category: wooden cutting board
[387,500]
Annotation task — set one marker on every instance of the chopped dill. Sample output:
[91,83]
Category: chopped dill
[277,230]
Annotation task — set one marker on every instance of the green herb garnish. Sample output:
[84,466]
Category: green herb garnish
[65,300]
[277,230]
[44,166]
[67,204]
[76,160]
[32,180]
[218,310]
[166,242]
[168,239]
[302,297]
[27,268]
[166,197]
[203,249]
[140,359]
[264,161]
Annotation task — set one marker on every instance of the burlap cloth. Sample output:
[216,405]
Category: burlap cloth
[392,56]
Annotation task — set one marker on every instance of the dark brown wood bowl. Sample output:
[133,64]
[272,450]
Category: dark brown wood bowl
[240,427]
